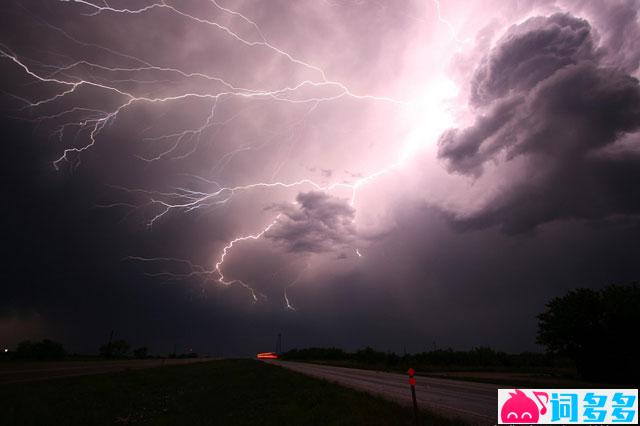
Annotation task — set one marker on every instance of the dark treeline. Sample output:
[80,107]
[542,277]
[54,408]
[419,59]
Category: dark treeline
[481,358]
[589,331]
[43,350]
[49,350]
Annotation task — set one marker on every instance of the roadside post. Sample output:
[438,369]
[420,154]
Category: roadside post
[412,382]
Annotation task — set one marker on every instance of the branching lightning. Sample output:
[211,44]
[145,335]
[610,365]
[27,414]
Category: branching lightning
[79,120]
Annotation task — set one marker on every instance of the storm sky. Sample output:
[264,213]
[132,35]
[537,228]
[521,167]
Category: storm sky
[403,175]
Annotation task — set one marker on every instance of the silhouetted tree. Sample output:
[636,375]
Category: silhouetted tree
[43,350]
[392,359]
[117,349]
[142,352]
[106,351]
[370,356]
[596,329]
[120,348]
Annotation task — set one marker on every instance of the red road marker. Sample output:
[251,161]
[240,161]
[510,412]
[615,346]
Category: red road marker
[412,382]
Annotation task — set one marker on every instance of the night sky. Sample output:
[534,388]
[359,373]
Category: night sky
[402,175]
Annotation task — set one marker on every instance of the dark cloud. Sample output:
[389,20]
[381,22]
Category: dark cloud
[462,146]
[544,97]
[317,223]
[619,42]
[530,53]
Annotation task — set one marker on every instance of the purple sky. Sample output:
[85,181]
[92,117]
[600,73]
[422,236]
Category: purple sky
[210,173]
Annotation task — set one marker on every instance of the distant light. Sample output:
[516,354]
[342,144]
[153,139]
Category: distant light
[267,355]
[6,350]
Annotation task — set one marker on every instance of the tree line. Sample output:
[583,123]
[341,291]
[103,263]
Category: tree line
[589,330]
[50,350]
[480,358]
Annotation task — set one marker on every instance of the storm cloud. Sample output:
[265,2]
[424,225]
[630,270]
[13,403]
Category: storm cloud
[544,98]
[317,223]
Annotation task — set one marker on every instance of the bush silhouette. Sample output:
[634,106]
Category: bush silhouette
[596,329]
[141,352]
[43,350]
[116,349]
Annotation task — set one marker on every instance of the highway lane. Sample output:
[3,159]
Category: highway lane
[474,402]
[32,371]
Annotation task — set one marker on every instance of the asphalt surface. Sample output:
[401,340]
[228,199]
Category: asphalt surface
[476,403]
[32,371]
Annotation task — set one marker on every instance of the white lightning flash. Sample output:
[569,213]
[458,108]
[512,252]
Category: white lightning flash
[66,78]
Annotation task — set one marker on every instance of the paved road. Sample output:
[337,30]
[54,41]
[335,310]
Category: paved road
[474,402]
[32,371]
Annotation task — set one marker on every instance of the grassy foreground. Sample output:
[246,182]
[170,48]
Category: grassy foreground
[229,392]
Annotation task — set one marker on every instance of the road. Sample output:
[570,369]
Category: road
[32,371]
[474,402]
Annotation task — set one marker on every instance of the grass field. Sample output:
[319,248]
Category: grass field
[228,392]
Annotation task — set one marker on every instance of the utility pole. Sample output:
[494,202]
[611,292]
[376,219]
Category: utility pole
[279,344]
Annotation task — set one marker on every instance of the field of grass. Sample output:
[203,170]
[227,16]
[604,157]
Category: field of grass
[224,392]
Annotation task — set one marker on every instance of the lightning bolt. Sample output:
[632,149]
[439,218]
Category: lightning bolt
[288,304]
[70,76]
[448,24]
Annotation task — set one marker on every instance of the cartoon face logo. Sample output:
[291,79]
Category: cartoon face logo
[519,408]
